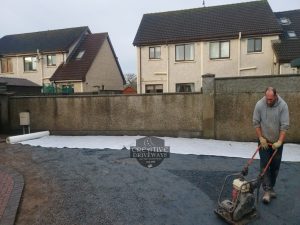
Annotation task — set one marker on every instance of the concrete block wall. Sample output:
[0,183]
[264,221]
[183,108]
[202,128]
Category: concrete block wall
[163,114]
[235,99]
[223,110]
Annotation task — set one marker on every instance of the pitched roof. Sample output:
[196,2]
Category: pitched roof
[45,41]
[289,48]
[294,17]
[225,21]
[76,69]
[286,51]
[9,81]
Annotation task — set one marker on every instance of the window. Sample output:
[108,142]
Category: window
[30,63]
[154,52]
[80,54]
[219,50]
[285,21]
[184,52]
[51,60]
[186,87]
[154,88]
[6,65]
[291,34]
[254,45]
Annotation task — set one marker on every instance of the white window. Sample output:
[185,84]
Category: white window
[185,87]
[30,63]
[254,45]
[285,21]
[184,52]
[154,88]
[51,60]
[291,34]
[219,50]
[154,52]
[80,54]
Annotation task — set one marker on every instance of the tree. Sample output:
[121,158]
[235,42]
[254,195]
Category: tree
[130,79]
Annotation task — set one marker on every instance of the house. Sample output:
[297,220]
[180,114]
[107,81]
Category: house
[129,90]
[288,48]
[174,49]
[72,57]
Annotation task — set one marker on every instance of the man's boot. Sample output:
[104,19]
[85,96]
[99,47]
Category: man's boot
[267,197]
[273,193]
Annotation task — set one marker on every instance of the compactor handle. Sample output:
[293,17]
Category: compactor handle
[244,172]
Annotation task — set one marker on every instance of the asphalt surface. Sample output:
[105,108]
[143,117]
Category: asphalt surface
[84,186]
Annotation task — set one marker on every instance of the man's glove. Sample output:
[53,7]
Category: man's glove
[276,144]
[263,143]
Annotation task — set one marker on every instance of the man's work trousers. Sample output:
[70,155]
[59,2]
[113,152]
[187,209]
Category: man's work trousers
[271,174]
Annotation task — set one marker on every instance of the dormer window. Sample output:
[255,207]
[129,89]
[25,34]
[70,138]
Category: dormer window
[80,54]
[285,21]
[291,34]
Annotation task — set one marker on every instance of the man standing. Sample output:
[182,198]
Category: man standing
[271,122]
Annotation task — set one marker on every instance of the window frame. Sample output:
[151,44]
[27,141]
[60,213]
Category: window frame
[285,21]
[254,45]
[51,61]
[154,88]
[291,34]
[190,85]
[184,52]
[32,63]
[7,64]
[156,56]
[220,50]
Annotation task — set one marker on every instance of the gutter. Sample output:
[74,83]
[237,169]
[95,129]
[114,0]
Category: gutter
[204,39]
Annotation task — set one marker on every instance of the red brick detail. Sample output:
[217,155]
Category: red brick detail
[6,187]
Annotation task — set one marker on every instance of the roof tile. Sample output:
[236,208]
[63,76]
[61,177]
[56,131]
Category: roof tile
[289,48]
[45,41]
[10,81]
[76,69]
[250,18]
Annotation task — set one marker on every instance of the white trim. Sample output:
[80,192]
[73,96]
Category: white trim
[160,73]
[249,68]
[66,81]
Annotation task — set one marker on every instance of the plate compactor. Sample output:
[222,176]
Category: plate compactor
[241,208]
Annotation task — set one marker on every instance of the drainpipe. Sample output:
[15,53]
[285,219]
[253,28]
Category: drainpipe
[42,72]
[239,54]
[18,72]
[140,70]
[40,61]
[63,55]
[201,62]
[168,90]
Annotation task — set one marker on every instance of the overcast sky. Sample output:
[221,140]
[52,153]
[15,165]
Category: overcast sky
[120,18]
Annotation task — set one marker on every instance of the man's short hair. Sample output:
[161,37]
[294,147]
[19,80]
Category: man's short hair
[271,89]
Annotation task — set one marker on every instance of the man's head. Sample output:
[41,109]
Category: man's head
[271,96]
